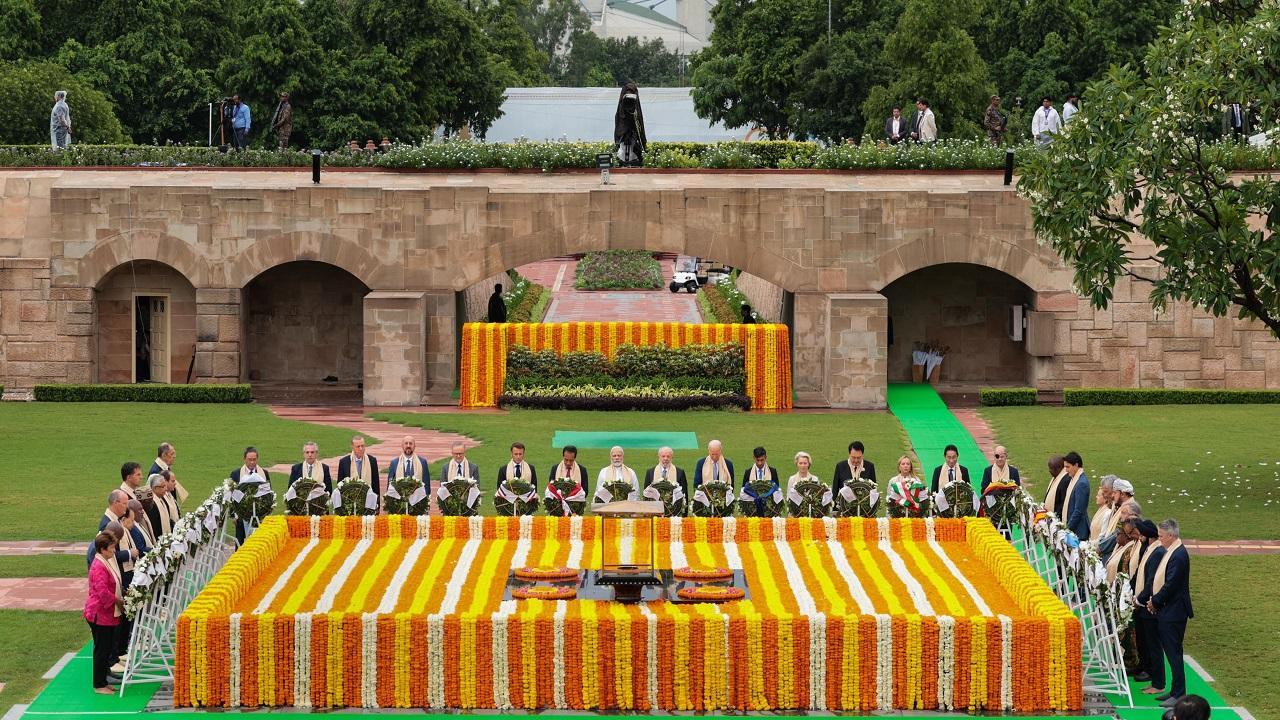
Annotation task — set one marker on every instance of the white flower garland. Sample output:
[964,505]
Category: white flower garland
[626,544]
[651,653]
[946,662]
[435,663]
[557,662]
[369,660]
[676,547]
[424,526]
[884,662]
[233,633]
[851,581]
[501,663]
[286,577]
[366,527]
[914,588]
[340,578]
[731,554]
[1006,662]
[817,661]
[391,596]
[882,530]
[302,660]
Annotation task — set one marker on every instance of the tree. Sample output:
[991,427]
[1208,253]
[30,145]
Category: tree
[19,29]
[28,91]
[934,57]
[510,42]
[1131,189]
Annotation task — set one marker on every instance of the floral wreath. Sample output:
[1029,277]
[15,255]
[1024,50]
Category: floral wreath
[545,592]
[547,573]
[711,593]
[703,573]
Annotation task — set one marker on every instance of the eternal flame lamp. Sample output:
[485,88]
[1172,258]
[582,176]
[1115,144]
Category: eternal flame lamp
[628,578]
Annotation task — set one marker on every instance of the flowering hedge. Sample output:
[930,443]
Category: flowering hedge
[485,345]
[854,615]
[618,270]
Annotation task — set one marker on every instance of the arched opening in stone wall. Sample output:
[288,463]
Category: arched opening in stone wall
[146,325]
[304,332]
[967,308]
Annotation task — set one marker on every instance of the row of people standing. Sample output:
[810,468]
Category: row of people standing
[923,127]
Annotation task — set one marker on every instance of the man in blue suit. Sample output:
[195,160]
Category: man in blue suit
[715,466]
[1068,495]
[1171,603]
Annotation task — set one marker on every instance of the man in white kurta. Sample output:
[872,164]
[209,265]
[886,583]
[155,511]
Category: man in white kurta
[615,472]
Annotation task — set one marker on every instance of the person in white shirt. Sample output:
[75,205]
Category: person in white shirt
[1070,108]
[923,126]
[615,472]
[1045,123]
[895,128]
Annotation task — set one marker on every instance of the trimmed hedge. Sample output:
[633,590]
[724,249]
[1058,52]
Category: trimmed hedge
[727,386]
[1167,396]
[621,402]
[157,393]
[998,397]
[530,299]
[648,364]
[947,154]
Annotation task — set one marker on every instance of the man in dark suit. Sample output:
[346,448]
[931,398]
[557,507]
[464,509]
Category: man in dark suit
[359,464]
[760,469]
[250,467]
[711,465]
[666,468]
[310,467]
[1150,551]
[165,455]
[409,464]
[1000,470]
[950,471]
[1170,601]
[895,128]
[854,467]
[570,468]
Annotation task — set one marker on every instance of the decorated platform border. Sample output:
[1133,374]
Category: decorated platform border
[484,352]
[536,654]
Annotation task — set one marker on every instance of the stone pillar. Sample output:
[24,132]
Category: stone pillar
[841,350]
[395,331]
[46,333]
[219,330]
[858,350]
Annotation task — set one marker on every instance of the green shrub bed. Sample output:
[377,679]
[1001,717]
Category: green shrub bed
[526,310]
[618,270]
[156,393]
[608,397]
[1167,396]
[710,365]
[999,397]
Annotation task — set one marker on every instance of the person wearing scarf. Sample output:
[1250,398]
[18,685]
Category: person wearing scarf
[567,468]
[906,490]
[459,468]
[803,462]
[1068,495]
[715,466]
[165,455]
[855,466]
[359,464]
[1151,659]
[1000,471]
[760,470]
[408,464]
[242,474]
[666,470]
[311,468]
[613,472]
[130,479]
[949,471]
[1105,499]
[103,609]
[517,469]
[1170,602]
[143,537]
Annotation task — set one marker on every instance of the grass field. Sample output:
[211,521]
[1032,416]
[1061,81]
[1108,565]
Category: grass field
[1216,468]
[69,455]
[33,641]
[824,436]
[43,565]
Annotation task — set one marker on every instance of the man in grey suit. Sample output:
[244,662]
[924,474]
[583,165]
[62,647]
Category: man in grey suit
[895,128]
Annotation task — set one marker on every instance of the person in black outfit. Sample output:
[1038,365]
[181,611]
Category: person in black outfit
[854,467]
[1170,601]
[497,306]
[947,472]
[1148,631]
[629,139]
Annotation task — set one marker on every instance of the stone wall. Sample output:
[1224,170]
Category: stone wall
[115,336]
[46,333]
[476,298]
[964,307]
[304,322]
[1130,345]
[765,297]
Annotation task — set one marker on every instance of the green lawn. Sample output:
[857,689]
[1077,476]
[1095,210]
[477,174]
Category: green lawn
[70,454]
[19,566]
[1216,468]
[33,642]
[1232,634]
[825,436]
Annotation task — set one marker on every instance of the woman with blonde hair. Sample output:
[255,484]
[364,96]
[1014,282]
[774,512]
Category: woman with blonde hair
[807,496]
[908,495]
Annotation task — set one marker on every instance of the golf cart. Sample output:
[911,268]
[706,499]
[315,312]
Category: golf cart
[692,273]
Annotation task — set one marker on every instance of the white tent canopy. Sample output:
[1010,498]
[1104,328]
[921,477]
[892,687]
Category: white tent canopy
[554,113]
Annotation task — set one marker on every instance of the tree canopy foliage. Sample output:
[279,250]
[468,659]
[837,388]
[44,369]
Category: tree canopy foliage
[1131,188]
[405,69]
[772,63]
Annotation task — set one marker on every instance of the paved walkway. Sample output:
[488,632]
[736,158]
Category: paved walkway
[568,304]
[43,593]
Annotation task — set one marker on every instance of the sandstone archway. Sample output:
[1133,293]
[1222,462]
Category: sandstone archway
[145,324]
[309,246]
[303,330]
[139,246]
[966,307]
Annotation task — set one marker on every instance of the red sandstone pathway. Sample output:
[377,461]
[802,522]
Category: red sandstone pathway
[978,428]
[568,304]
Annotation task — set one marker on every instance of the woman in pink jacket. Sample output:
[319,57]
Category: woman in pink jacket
[102,608]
